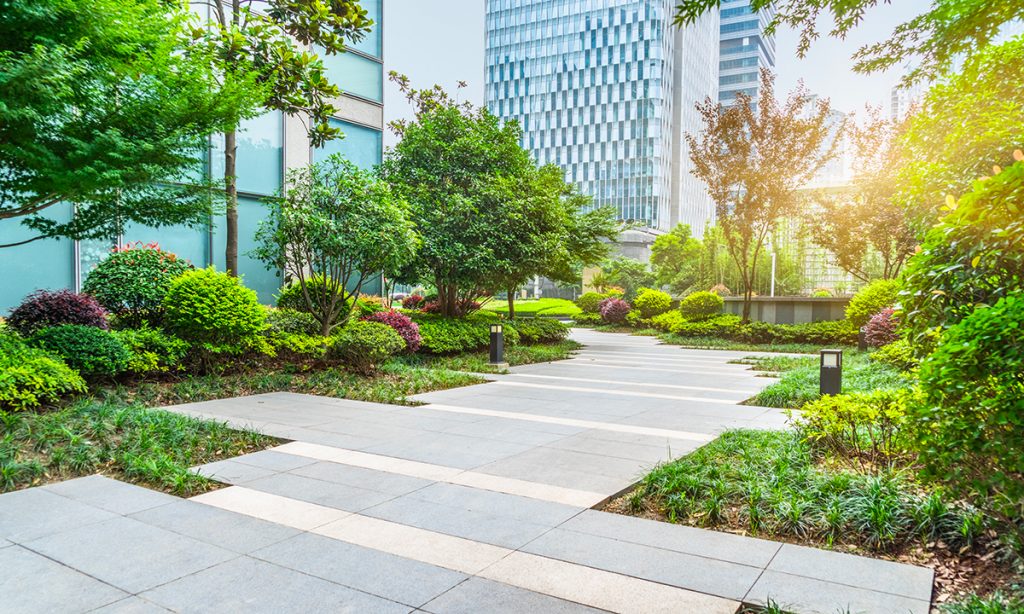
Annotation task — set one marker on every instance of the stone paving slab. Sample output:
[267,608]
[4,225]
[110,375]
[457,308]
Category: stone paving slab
[479,595]
[34,583]
[131,605]
[224,529]
[110,495]
[35,512]
[811,596]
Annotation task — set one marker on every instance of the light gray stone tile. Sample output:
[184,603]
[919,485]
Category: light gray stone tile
[219,527]
[232,472]
[32,513]
[274,461]
[810,596]
[131,605]
[372,571]
[111,495]
[479,595]
[249,585]
[873,574]
[361,477]
[497,503]
[129,554]
[329,494]
[34,583]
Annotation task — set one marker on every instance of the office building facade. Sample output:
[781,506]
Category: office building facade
[268,146]
[744,49]
[598,87]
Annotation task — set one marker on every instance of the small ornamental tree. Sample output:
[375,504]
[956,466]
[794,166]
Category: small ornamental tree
[133,281]
[614,310]
[334,226]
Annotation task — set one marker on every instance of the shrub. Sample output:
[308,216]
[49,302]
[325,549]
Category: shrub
[825,332]
[364,345]
[413,301]
[667,321]
[614,310]
[453,335]
[871,299]
[587,319]
[881,329]
[43,309]
[465,307]
[30,377]
[291,322]
[403,325]
[215,313]
[724,326]
[590,302]
[370,303]
[821,293]
[152,351]
[651,302]
[701,306]
[133,281]
[720,290]
[540,330]
[860,425]
[898,354]
[970,431]
[89,350]
[300,345]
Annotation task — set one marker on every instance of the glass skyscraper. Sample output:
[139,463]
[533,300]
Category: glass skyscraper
[598,88]
[744,49]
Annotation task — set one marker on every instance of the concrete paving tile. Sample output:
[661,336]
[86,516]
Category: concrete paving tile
[449,450]
[690,540]
[131,605]
[497,503]
[34,512]
[864,572]
[34,583]
[361,477]
[414,543]
[372,571]
[380,462]
[601,589]
[213,525]
[652,454]
[282,510]
[273,460]
[479,595]
[328,494]
[704,575]
[534,490]
[232,471]
[810,596]
[110,494]
[249,585]
[129,554]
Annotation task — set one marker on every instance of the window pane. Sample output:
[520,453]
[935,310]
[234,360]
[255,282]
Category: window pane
[354,74]
[370,44]
[45,264]
[361,145]
[192,244]
[254,274]
[259,154]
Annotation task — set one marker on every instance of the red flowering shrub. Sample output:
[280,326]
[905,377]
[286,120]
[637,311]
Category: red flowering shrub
[43,309]
[881,329]
[413,301]
[614,310]
[403,325]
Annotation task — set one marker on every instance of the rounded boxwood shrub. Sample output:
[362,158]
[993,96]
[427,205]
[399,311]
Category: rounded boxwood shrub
[650,302]
[881,329]
[363,345]
[403,325]
[43,309]
[590,302]
[133,281]
[667,321]
[291,322]
[89,350]
[152,351]
[540,330]
[871,299]
[30,377]
[701,306]
[214,312]
[614,310]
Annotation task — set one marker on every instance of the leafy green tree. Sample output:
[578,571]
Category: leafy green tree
[936,38]
[967,123]
[676,259]
[99,107]
[258,46]
[753,157]
[334,225]
[458,167]
[628,274]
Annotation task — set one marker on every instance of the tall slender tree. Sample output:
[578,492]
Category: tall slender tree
[753,157]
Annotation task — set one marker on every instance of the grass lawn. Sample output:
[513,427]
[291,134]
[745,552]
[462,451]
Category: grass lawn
[532,307]
[799,378]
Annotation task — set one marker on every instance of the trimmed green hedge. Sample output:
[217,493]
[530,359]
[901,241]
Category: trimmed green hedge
[838,332]
[453,335]
[540,330]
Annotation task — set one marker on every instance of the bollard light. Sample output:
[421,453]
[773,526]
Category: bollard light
[497,345]
[862,339]
[831,372]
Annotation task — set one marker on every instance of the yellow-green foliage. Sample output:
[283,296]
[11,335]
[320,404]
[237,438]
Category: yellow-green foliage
[701,306]
[650,302]
[859,424]
[667,321]
[871,299]
[30,377]
[215,312]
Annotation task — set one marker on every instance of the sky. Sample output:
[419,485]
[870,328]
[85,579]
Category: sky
[442,41]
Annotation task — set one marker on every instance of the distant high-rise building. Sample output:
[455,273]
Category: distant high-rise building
[744,49]
[605,90]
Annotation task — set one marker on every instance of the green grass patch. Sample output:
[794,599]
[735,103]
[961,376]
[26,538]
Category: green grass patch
[800,379]
[556,307]
[717,343]
[146,446]
[477,362]
[770,483]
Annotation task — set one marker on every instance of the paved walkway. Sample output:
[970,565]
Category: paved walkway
[477,501]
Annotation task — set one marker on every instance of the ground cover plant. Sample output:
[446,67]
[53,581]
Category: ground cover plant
[798,383]
[552,307]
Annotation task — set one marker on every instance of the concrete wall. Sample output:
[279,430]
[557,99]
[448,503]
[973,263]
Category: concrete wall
[790,309]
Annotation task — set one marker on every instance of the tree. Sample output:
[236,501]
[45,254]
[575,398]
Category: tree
[334,225]
[259,46]
[100,108]
[865,227]
[458,167]
[628,274]
[937,38]
[753,158]
[676,259]
[967,123]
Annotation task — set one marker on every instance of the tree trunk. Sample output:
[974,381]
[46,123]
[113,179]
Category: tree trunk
[511,304]
[231,209]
